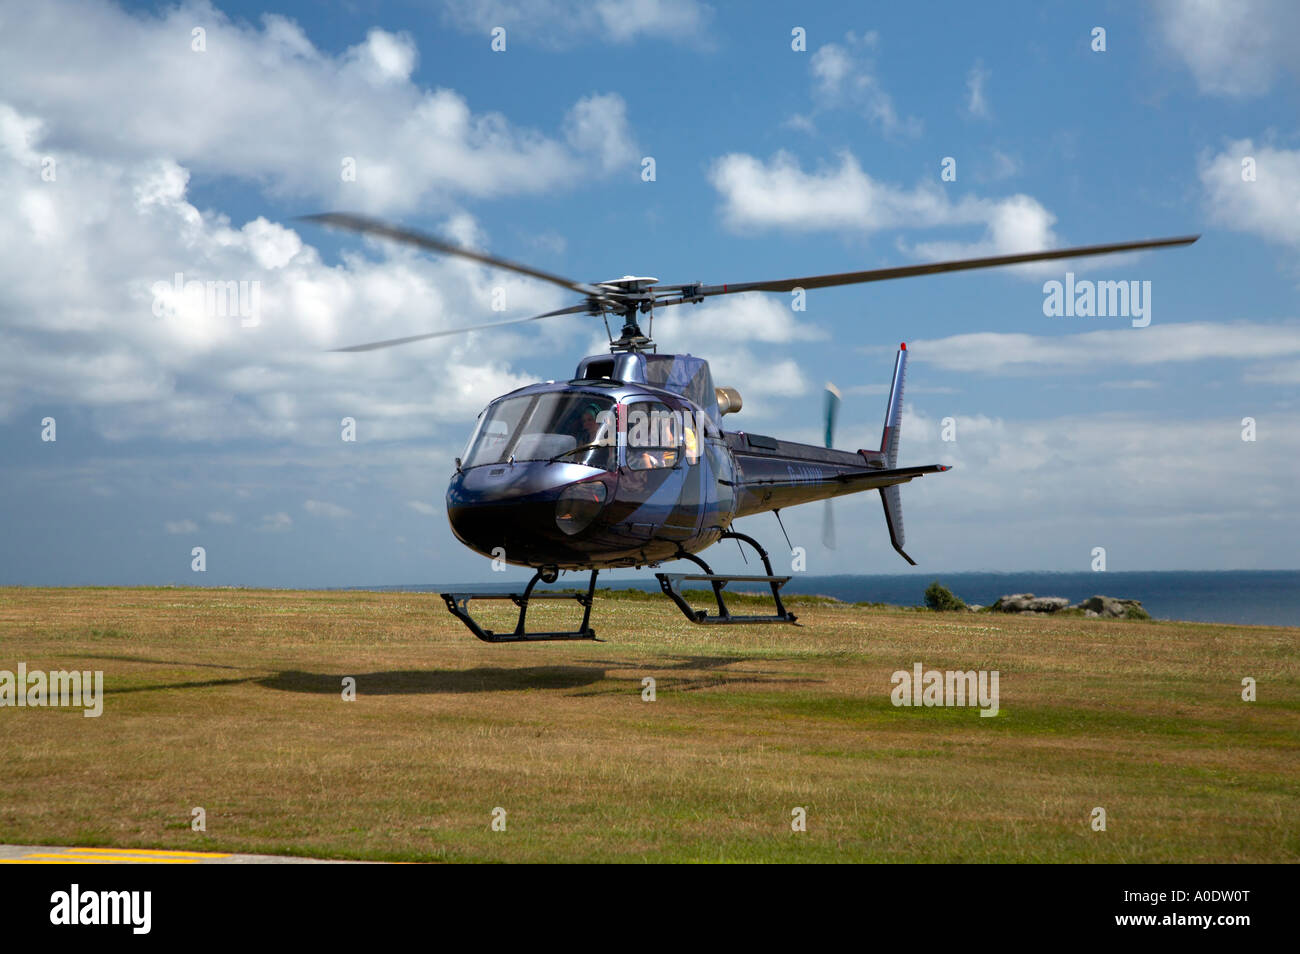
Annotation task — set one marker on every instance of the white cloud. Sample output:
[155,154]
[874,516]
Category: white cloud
[275,522]
[79,326]
[977,103]
[419,506]
[1170,343]
[597,125]
[321,508]
[1270,205]
[1001,166]
[779,194]
[180,526]
[717,328]
[1284,373]
[844,77]
[1135,384]
[268,106]
[218,516]
[1017,223]
[751,316]
[563,23]
[383,57]
[1118,471]
[1233,49]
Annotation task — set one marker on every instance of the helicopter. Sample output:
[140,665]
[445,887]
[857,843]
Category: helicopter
[628,463]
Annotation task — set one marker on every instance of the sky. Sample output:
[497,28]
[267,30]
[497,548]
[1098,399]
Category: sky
[140,142]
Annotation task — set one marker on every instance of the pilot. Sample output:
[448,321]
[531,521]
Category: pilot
[589,424]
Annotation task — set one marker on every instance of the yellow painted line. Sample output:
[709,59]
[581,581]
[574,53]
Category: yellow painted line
[73,860]
[154,852]
[32,861]
[109,859]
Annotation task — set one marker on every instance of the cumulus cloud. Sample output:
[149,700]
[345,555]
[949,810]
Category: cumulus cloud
[1269,206]
[778,193]
[1232,49]
[180,526]
[265,104]
[597,125]
[92,318]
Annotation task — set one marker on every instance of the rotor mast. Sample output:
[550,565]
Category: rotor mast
[634,295]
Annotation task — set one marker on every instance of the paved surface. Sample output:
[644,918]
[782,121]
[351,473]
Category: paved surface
[45,855]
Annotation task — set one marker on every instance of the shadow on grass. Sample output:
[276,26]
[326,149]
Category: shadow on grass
[415,682]
[682,673]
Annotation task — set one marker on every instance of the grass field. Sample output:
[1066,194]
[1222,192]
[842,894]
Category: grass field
[232,700]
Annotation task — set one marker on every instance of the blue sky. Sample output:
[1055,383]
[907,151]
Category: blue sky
[190,429]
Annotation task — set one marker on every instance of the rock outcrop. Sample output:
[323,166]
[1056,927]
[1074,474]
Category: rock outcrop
[1095,606]
[1029,603]
[1109,606]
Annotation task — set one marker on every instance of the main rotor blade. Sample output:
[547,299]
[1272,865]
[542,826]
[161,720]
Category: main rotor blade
[369,226]
[932,268]
[376,345]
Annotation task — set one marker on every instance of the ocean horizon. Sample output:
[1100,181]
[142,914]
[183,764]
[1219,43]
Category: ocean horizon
[1252,597]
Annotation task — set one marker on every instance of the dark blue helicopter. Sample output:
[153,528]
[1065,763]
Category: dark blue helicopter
[628,463]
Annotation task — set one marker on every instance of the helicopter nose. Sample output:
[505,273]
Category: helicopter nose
[511,506]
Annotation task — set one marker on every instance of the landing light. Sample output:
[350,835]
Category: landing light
[578,505]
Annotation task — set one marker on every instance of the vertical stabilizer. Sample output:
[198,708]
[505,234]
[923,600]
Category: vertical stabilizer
[890,496]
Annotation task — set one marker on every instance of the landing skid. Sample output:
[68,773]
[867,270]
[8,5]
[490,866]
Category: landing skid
[458,604]
[670,583]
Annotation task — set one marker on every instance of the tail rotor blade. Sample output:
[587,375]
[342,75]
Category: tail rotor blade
[832,414]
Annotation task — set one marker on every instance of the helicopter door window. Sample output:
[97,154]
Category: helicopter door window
[690,443]
[653,437]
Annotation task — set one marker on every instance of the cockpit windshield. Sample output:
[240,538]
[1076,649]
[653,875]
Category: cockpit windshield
[576,428]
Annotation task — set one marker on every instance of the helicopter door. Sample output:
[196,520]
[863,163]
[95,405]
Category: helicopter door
[721,477]
[659,476]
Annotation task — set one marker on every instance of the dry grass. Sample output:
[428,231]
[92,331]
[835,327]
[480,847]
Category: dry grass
[231,700]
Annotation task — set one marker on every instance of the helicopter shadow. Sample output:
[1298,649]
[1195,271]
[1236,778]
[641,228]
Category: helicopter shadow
[437,681]
[676,673]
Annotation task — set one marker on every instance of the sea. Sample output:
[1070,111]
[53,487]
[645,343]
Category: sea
[1256,597]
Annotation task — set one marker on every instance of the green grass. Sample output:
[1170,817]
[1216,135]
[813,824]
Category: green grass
[231,700]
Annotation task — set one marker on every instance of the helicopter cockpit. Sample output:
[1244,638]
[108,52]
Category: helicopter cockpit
[575,428]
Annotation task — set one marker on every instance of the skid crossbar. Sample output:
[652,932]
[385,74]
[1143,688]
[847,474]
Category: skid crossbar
[458,604]
[671,583]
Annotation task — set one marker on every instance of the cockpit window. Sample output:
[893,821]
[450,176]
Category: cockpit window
[574,428]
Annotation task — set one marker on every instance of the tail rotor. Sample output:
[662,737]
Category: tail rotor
[832,414]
